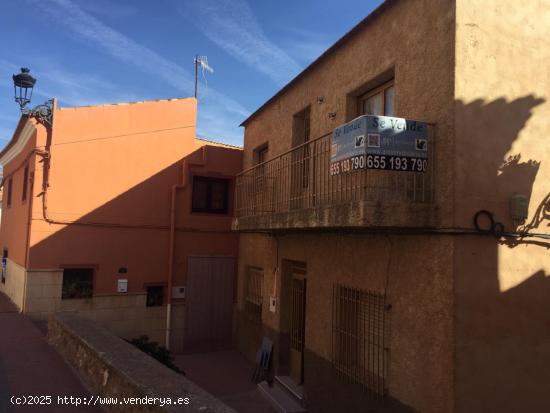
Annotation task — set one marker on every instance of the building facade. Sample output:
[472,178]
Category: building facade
[121,213]
[376,288]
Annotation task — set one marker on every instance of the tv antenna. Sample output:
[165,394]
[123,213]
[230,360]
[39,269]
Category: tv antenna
[201,61]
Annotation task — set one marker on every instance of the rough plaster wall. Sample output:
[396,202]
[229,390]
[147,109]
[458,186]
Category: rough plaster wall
[419,289]
[125,315]
[502,122]
[414,273]
[416,39]
[259,251]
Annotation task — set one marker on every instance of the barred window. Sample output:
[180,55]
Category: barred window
[359,344]
[77,283]
[254,296]
[155,296]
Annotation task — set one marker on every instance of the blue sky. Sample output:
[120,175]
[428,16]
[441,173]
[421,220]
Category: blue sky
[87,52]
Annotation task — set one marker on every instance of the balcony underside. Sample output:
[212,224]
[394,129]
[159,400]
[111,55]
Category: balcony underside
[356,215]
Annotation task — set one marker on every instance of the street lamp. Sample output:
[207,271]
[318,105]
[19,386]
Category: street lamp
[23,84]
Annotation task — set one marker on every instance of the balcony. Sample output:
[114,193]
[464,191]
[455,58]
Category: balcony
[295,191]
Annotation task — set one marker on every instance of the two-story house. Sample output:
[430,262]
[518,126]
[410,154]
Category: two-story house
[406,290]
[120,213]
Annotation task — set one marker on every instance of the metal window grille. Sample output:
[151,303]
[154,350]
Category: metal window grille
[297,320]
[254,296]
[359,344]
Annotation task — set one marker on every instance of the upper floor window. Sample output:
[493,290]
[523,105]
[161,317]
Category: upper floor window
[378,101]
[210,195]
[10,188]
[301,127]
[301,133]
[260,154]
[25,183]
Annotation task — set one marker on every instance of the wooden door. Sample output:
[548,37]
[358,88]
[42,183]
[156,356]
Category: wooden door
[209,303]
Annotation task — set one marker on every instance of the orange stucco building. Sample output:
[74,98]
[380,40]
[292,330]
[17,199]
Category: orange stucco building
[118,211]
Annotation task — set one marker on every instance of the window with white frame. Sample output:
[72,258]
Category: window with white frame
[378,101]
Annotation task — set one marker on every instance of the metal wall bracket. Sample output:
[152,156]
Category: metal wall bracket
[42,113]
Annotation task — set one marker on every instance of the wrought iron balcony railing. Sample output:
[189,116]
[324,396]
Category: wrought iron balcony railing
[300,178]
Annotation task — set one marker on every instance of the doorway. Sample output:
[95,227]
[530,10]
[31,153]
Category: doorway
[301,159]
[209,303]
[293,317]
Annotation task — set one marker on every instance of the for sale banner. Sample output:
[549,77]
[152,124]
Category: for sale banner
[380,142]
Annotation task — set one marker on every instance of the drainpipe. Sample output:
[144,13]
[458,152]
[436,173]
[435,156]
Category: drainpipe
[185,176]
[44,155]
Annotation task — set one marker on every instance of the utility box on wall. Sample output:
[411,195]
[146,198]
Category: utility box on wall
[178,292]
[519,207]
[122,285]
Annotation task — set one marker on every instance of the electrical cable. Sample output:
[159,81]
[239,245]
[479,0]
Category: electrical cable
[401,231]
[123,135]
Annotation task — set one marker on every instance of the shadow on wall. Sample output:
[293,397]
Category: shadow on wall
[132,231]
[502,340]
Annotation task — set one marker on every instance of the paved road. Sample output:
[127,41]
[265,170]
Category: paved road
[29,366]
[226,375]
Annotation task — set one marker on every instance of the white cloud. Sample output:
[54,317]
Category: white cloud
[122,48]
[108,8]
[231,25]
[81,89]
[70,88]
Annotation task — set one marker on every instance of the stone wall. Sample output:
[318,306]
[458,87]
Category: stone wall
[114,368]
[14,285]
[125,315]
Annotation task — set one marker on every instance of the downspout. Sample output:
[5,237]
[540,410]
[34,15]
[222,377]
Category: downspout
[45,158]
[185,176]
[27,243]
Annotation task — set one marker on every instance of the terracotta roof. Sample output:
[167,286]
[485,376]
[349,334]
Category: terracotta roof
[216,143]
[366,21]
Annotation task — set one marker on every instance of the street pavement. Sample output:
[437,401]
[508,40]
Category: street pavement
[228,376]
[29,366]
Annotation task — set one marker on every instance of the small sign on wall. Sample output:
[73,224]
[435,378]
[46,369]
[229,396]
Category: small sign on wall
[272,304]
[122,285]
[178,292]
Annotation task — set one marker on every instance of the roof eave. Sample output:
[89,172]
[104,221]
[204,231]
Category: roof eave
[22,120]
